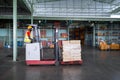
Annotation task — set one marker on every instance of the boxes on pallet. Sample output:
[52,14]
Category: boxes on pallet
[74,41]
[76,58]
[71,46]
[71,54]
[71,50]
[67,59]
[71,42]
[75,54]
[65,42]
[71,59]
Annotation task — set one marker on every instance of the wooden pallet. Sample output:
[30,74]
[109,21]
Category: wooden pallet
[72,62]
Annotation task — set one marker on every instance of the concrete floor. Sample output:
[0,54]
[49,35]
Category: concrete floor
[97,65]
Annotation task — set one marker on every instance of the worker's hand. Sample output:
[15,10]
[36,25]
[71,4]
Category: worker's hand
[31,40]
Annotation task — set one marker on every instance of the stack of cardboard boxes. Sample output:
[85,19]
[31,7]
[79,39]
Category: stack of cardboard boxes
[71,50]
[104,46]
[44,43]
[114,46]
[1,44]
[43,33]
[64,35]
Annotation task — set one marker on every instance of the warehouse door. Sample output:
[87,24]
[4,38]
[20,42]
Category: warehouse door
[77,34]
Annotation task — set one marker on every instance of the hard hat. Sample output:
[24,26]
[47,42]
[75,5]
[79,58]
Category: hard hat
[29,27]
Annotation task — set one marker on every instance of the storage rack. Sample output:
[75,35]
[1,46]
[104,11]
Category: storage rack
[109,32]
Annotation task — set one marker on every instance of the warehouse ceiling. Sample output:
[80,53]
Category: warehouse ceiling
[75,8]
[64,9]
[6,7]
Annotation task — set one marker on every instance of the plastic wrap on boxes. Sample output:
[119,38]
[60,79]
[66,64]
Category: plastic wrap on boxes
[75,41]
[72,59]
[72,46]
[71,50]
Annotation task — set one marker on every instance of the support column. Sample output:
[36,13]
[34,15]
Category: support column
[9,34]
[32,12]
[68,32]
[94,35]
[14,30]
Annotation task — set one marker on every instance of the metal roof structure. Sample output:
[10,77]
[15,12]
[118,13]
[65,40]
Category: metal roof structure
[108,10]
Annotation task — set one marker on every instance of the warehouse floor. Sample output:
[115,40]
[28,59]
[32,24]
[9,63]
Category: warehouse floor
[97,65]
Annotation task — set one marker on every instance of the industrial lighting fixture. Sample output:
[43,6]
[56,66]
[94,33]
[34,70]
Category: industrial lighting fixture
[39,21]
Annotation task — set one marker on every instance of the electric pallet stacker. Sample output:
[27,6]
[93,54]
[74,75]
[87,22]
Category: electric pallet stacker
[34,51]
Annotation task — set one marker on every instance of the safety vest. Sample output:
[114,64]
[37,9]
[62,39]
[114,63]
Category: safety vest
[26,38]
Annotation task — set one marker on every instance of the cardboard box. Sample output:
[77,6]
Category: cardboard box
[114,46]
[65,42]
[75,41]
[71,59]
[67,59]
[71,42]
[33,51]
[72,55]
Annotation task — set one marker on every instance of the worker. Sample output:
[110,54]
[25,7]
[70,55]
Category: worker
[28,35]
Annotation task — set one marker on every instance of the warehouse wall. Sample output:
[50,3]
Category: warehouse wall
[6,36]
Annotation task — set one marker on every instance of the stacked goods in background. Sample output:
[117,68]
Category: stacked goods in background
[64,35]
[43,33]
[60,43]
[50,44]
[114,46]
[71,50]
[103,45]
[1,44]
[44,43]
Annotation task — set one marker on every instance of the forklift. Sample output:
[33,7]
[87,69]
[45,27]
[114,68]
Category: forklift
[34,51]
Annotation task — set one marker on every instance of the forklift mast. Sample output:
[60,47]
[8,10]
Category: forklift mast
[36,33]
